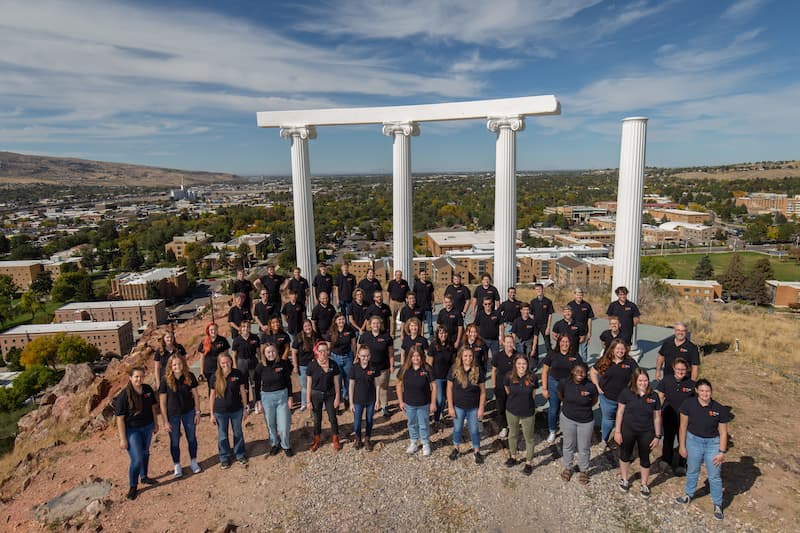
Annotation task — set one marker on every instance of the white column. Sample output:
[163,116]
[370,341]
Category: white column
[402,191]
[630,200]
[505,200]
[301,194]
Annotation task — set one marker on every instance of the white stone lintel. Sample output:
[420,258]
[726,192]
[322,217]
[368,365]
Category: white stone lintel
[304,132]
[402,128]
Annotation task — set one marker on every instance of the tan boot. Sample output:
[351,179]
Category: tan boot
[315,444]
[336,444]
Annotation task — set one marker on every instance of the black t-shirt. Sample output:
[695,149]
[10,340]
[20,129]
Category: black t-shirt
[479,352]
[578,399]
[245,286]
[231,401]
[442,359]
[236,315]
[381,348]
[323,283]
[246,349]
[607,337]
[321,380]
[273,286]
[688,351]
[346,284]
[281,340]
[295,313]
[407,313]
[460,296]
[359,313]
[468,397]
[369,288]
[424,292]
[481,293]
[344,341]
[704,421]
[417,386]
[626,313]
[136,418]
[503,363]
[163,357]
[573,330]
[398,290]
[263,312]
[676,392]
[560,365]
[303,357]
[523,329]
[419,341]
[541,310]
[275,376]
[218,346]
[300,286]
[510,310]
[323,316]
[450,320]
[616,377]
[639,410]
[520,400]
[363,392]
[181,400]
[488,325]
[581,312]
[381,311]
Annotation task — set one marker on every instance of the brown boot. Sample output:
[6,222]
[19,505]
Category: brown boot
[357,444]
[315,444]
[336,444]
[369,445]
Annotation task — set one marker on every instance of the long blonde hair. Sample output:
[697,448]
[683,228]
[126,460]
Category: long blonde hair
[219,379]
[462,377]
[408,364]
[170,375]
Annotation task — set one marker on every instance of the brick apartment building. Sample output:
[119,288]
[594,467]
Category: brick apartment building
[167,283]
[691,289]
[178,244]
[113,336]
[139,312]
[22,272]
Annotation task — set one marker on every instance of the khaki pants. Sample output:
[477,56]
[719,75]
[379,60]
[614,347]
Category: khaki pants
[514,423]
[395,307]
[382,388]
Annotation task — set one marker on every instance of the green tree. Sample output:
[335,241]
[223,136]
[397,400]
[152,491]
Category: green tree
[733,279]
[43,283]
[655,267]
[132,260]
[12,359]
[73,286]
[5,246]
[74,350]
[7,287]
[31,302]
[88,259]
[704,269]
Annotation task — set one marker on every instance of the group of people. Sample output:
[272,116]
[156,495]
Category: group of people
[344,360]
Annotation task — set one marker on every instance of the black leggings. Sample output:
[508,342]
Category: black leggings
[632,438]
[671,421]
[500,398]
[319,400]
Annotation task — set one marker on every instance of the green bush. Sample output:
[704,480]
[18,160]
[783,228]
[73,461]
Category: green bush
[28,383]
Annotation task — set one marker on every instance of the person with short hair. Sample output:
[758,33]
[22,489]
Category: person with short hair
[557,365]
[412,336]
[578,396]
[542,311]
[358,312]
[299,285]
[678,346]
[523,329]
[398,289]
[673,390]
[363,396]
[452,320]
[613,332]
[263,310]
[323,392]
[322,314]
[136,412]
[369,286]
[272,379]
[483,291]
[570,327]
[279,338]
[490,327]
[381,310]
[511,309]
[244,286]
[423,290]
[237,314]
[466,400]
[302,354]
[344,285]
[381,348]
[294,313]
[416,395]
[582,313]
[227,403]
[246,347]
[611,374]
[272,283]
[408,311]
[169,346]
[626,311]
[180,404]
[459,293]
[322,282]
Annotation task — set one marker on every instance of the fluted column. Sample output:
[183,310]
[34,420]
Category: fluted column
[402,231]
[630,201]
[301,194]
[505,199]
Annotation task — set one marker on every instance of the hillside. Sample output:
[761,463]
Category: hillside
[21,168]
[744,171]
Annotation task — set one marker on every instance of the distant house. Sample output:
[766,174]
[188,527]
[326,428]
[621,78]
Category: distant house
[168,283]
[257,243]
[178,244]
[691,289]
[139,312]
[112,336]
[783,293]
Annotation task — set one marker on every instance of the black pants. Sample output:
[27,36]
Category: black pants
[500,398]
[631,439]
[319,400]
[671,422]
[540,329]
[209,377]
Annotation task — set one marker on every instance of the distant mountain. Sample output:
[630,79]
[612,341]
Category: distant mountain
[21,168]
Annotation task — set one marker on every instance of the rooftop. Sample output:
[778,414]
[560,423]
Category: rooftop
[66,327]
[109,304]
[676,225]
[679,211]
[710,284]
[155,274]
[776,283]
[462,238]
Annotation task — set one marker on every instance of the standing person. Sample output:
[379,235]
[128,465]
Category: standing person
[278,337]
[569,327]
[246,348]
[227,407]
[452,320]
[578,396]
[323,391]
[358,312]
[242,285]
[408,311]
[490,326]
[502,365]
[704,439]
[582,313]
[237,314]
[294,313]
[473,341]
[442,355]
[273,383]
[557,365]
[542,310]
[627,312]
[362,393]
[381,349]
[423,290]
[302,354]
[136,411]
[272,283]
[613,332]
[638,425]
[520,386]
[169,347]
[511,309]
[322,282]
[370,285]
[212,347]
[412,336]
[611,374]
[345,285]
[299,285]
[523,329]
[381,310]
[343,345]
[483,291]
[180,404]
[460,295]
[397,289]
[673,391]
[466,400]
[263,311]
[322,314]
[416,395]
[676,347]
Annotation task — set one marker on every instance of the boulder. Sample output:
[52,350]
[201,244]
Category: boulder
[48,398]
[62,406]
[76,378]
[33,419]
[99,392]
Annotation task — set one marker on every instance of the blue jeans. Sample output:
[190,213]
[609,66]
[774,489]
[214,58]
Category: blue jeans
[608,408]
[427,318]
[278,416]
[344,308]
[554,404]
[224,444]
[419,427]
[494,346]
[441,398]
[583,349]
[699,451]
[345,362]
[471,416]
[359,409]
[175,435]
[139,452]
[303,384]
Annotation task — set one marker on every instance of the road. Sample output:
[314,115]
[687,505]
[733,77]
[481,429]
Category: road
[197,297]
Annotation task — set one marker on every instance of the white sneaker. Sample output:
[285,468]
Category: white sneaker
[504,433]
[178,471]
[551,438]
[196,467]
[412,448]
[258,411]
[426,450]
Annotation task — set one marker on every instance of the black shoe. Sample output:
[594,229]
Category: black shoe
[683,500]
[274,451]
[288,452]
[132,492]
[454,454]
[718,515]
[510,462]
[386,412]
[478,458]
[243,461]
[225,465]
[624,485]
[528,470]
[148,481]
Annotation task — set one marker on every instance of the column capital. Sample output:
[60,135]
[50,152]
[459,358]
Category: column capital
[304,132]
[402,128]
[514,122]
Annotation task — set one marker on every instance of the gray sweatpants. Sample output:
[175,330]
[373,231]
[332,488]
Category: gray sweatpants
[577,437]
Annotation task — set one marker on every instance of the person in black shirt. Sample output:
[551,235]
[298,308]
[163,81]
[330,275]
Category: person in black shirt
[613,332]
[272,283]
[460,295]
[381,349]
[242,285]
[238,313]
[442,353]
[582,313]
[578,396]
[345,285]
[212,347]
[362,393]
[272,380]
[466,398]
[299,285]
[452,320]
[673,391]
[502,364]
[557,365]
[343,345]
[246,348]
[294,313]
[279,338]
[370,285]
[323,391]
[678,347]
[169,347]
[323,282]
[520,387]
[571,328]
[412,336]
[322,314]
[611,375]
[136,411]
[639,425]
[523,329]
[408,311]
[483,291]
[226,404]
[473,341]
[397,289]
[542,312]
[416,395]
[263,310]
[358,312]
[511,309]
[381,310]
[627,312]
[423,290]
[490,326]
[302,354]
[180,404]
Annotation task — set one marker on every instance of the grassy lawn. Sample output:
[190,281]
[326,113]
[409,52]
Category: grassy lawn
[684,264]
[25,318]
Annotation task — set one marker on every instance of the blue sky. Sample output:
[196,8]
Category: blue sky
[178,83]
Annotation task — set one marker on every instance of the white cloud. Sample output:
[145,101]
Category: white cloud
[474,63]
[703,58]
[742,8]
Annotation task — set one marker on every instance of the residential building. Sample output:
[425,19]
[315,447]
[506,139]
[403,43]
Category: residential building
[691,289]
[783,293]
[696,233]
[442,242]
[656,236]
[168,283]
[257,243]
[178,243]
[579,214]
[571,272]
[679,215]
[115,336]
[604,223]
[21,272]
[767,202]
[139,312]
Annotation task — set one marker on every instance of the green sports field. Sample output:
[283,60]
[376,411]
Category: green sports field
[684,264]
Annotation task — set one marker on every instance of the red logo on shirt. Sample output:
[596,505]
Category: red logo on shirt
[278,369]
[649,400]
[232,379]
[713,413]
[585,393]
[685,389]
[421,372]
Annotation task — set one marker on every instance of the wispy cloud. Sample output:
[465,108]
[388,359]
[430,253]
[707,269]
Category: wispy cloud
[742,8]
[475,63]
[698,58]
